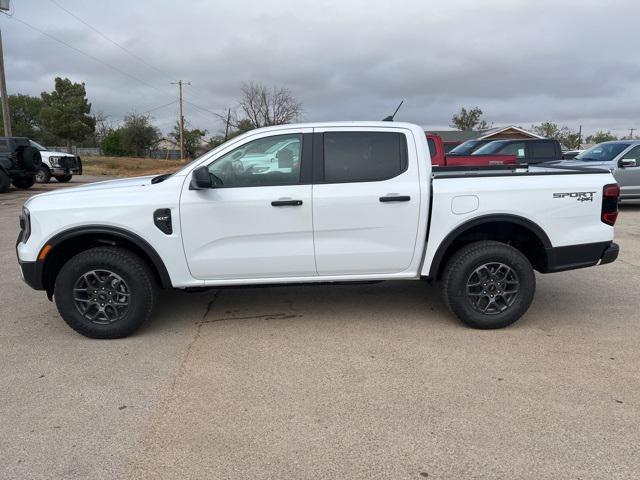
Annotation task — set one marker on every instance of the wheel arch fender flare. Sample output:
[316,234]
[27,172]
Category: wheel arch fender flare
[119,233]
[533,227]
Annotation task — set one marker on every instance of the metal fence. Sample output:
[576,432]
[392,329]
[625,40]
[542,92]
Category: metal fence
[165,154]
[82,151]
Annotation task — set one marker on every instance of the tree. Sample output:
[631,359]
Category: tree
[469,119]
[103,127]
[241,127]
[601,136]
[65,112]
[567,137]
[192,138]
[137,135]
[111,144]
[263,106]
[25,112]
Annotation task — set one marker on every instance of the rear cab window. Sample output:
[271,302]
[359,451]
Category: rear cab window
[542,149]
[363,156]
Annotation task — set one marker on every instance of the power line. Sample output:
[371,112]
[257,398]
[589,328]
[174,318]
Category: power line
[81,52]
[128,52]
[159,107]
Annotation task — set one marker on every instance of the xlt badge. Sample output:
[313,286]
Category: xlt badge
[162,220]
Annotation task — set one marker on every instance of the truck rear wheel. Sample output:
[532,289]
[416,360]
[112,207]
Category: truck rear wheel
[24,182]
[105,292]
[488,284]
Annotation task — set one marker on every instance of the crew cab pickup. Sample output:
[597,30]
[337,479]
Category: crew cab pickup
[495,152]
[59,165]
[362,204]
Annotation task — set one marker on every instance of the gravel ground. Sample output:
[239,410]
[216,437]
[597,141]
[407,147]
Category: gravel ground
[344,382]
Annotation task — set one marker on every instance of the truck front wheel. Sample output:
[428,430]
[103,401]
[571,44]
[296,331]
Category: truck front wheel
[105,292]
[488,284]
[64,178]
[43,175]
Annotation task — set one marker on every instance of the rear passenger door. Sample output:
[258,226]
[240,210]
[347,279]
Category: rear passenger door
[366,200]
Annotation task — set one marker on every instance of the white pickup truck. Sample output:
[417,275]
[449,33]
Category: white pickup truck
[356,201]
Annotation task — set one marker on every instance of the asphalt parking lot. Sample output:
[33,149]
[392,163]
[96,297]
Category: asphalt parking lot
[345,382]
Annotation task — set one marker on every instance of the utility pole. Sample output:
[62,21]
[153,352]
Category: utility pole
[6,118]
[226,128]
[580,136]
[631,130]
[181,120]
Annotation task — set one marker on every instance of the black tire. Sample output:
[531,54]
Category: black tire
[5,182]
[130,274]
[43,175]
[64,178]
[24,182]
[29,158]
[472,281]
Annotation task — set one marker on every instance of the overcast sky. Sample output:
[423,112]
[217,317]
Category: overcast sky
[522,62]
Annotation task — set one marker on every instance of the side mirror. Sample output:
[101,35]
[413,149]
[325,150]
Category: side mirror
[200,179]
[628,162]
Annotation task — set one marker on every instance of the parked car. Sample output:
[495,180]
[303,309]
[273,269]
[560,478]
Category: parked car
[528,151]
[622,157]
[468,147]
[363,205]
[569,154]
[19,162]
[59,165]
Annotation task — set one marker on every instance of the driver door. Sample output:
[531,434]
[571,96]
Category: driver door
[256,221]
[629,177]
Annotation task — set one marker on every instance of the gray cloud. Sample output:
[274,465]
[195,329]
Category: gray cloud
[522,61]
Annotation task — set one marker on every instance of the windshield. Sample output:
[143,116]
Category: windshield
[489,148]
[37,145]
[465,148]
[603,152]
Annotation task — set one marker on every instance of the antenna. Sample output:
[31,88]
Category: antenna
[390,117]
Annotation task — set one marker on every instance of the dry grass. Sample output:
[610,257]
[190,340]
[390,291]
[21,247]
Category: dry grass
[128,166]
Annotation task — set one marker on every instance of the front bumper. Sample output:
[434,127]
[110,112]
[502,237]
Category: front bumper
[571,257]
[31,272]
[56,171]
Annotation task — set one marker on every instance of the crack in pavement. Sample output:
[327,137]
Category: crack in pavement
[185,359]
[268,316]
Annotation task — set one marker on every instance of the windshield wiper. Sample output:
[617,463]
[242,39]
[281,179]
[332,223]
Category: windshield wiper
[161,178]
[590,159]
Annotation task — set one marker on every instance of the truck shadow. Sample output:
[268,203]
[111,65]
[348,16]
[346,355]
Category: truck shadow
[393,301]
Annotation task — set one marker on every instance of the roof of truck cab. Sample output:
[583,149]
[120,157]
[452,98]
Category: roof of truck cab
[350,123]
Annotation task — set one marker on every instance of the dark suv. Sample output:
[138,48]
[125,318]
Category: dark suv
[19,162]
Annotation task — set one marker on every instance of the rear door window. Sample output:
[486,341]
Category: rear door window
[363,156]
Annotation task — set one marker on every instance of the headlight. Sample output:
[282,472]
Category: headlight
[55,161]
[25,224]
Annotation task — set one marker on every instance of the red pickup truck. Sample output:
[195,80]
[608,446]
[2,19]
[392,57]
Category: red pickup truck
[441,159]
[497,152]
